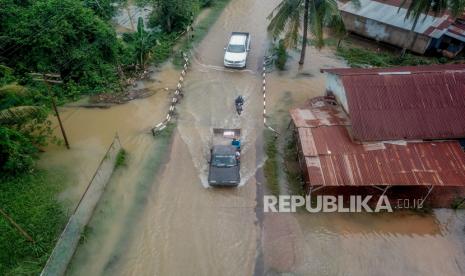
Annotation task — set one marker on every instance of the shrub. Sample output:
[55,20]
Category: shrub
[17,152]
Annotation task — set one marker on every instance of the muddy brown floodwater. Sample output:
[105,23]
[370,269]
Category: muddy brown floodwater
[172,223]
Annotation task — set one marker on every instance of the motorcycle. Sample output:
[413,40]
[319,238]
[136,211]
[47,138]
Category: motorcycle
[239,104]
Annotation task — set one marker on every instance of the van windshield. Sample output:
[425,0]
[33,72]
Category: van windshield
[224,160]
[236,48]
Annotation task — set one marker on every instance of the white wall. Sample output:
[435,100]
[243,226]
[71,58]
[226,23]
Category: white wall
[334,85]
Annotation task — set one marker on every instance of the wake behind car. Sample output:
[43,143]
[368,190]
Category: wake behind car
[236,52]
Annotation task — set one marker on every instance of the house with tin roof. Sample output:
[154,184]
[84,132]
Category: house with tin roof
[384,21]
[386,131]
[415,102]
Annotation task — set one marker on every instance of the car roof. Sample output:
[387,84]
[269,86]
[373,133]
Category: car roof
[224,149]
[238,39]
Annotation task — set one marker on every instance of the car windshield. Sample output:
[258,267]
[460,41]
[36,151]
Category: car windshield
[224,161]
[236,48]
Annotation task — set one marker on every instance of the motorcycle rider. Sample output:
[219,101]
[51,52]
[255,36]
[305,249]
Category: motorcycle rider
[239,100]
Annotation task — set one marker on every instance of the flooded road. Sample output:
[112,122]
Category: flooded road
[186,227]
[172,223]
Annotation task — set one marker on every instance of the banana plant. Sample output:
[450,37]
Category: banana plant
[143,48]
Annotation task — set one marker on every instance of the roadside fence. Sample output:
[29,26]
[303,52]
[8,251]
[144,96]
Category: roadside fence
[68,241]
[266,62]
[178,94]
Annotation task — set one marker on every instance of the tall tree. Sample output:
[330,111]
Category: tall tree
[173,15]
[418,8]
[290,15]
[61,36]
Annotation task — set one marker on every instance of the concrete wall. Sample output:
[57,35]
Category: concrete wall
[382,32]
[334,85]
[66,245]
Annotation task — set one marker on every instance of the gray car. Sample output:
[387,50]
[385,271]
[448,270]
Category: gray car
[225,157]
[224,167]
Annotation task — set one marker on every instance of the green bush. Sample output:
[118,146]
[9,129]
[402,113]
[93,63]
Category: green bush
[16,152]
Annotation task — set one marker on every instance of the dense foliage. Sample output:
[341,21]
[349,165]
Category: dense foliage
[61,36]
[175,15]
[75,40]
[23,128]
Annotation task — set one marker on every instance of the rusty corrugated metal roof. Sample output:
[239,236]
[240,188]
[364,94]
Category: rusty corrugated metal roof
[333,159]
[422,102]
[457,30]
[325,115]
[435,68]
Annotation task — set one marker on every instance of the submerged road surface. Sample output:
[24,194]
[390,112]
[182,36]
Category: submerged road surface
[188,228]
[181,226]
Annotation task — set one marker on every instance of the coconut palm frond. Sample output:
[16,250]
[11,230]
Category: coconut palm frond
[5,69]
[284,17]
[457,7]
[292,33]
[12,89]
[316,22]
[19,114]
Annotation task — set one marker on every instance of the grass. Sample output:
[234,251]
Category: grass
[30,201]
[121,158]
[201,29]
[359,57]
[293,174]
[271,166]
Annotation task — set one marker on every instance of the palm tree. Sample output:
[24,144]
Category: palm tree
[13,115]
[290,15]
[418,8]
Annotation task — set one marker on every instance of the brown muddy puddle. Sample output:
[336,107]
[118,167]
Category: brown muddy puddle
[170,223]
[91,130]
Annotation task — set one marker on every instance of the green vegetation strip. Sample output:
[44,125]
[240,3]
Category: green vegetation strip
[358,57]
[270,169]
[30,201]
[292,169]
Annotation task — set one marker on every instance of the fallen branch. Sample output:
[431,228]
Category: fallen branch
[21,230]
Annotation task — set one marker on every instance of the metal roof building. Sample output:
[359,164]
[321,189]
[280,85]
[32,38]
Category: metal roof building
[330,159]
[421,102]
[384,20]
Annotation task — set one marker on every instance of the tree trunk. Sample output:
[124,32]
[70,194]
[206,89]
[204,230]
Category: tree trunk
[304,39]
[412,38]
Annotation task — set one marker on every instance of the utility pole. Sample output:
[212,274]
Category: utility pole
[46,79]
